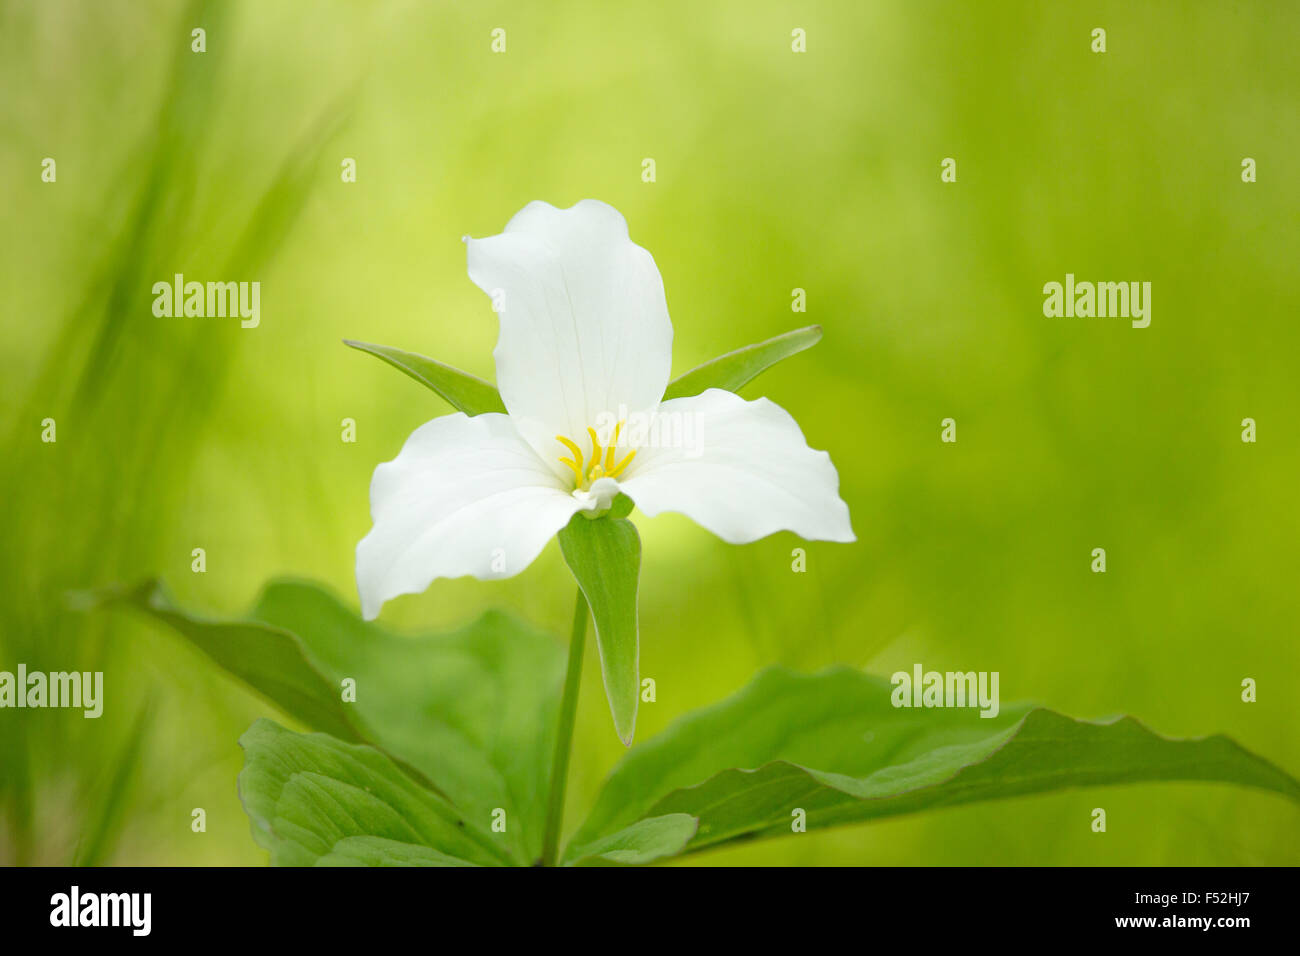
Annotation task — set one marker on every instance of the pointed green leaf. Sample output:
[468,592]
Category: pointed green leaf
[315,800]
[736,369]
[272,661]
[471,714]
[604,555]
[462,391]
[474,710]
[643,842]
[833,745]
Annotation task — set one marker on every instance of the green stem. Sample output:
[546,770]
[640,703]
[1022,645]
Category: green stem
[564,739]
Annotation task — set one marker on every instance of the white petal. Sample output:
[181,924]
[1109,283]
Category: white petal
[464,496]
[741,469]
[585,334]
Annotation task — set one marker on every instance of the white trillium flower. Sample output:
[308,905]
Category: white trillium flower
[584,349]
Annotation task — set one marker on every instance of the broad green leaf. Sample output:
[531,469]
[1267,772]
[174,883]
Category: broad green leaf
[474,710]
[377,851]
[604,555]
[462,391]
[271,661]
[736,369]
[643,842]
[833,745]
[472,714]
[316,800]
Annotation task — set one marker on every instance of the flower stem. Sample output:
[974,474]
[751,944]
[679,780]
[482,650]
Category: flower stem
[564,739]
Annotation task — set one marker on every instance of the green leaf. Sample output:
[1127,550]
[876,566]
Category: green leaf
[736,369]
[833,745]
[315,800]
[472,714]
[273,662]
[473,396]
[621,506]
[377,851]
[462,391]
[604,555]
[474,710]
[642,842]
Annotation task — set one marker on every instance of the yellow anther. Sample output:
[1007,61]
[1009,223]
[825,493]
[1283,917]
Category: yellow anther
[577,462]
[572,446]
[577,472]
[609,453]
[595,447]
[618,469]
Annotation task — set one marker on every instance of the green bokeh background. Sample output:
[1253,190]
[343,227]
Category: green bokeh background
[775,170]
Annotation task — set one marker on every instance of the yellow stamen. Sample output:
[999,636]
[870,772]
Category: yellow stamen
[588,470]
[618,469]
[577,472]
[595,448]
[609,454]
[576,463]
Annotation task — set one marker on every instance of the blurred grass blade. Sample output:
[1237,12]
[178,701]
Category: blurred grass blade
[736,369]
[462,391]
[168,156]
[97,843]
[604,555]
[16,794]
